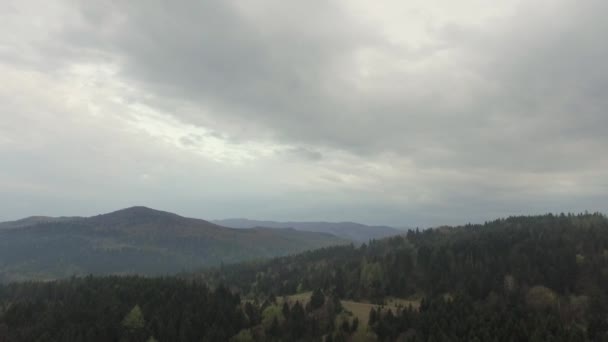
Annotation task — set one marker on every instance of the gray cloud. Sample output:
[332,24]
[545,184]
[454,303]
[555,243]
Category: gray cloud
[473,118]
[305,153]
[293,71]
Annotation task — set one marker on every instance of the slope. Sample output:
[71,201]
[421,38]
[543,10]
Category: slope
[527,278]
[34,220]
[138,240]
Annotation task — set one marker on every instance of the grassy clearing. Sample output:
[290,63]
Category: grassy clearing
[360,309]
[402,303]
[303,298]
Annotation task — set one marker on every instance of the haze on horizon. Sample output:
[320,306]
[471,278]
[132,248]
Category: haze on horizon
[407,113]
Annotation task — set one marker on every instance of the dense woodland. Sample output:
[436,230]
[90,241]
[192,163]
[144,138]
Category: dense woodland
[565,253]
[160,309]
[535,278]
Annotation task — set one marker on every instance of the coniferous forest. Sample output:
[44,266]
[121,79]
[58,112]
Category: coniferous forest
[539,278]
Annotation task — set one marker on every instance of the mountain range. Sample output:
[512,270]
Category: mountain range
[137,240]
[355,232]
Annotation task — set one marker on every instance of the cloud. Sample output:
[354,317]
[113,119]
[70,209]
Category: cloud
[324,77]
[410,113]
[305,153]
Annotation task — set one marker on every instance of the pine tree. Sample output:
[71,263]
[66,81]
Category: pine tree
[317,299]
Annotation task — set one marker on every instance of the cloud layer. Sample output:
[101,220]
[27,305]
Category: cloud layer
[407,114]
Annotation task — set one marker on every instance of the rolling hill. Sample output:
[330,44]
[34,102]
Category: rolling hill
[352,231]
[33,220]
[137,240]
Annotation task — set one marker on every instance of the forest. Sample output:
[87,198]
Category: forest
[527,278]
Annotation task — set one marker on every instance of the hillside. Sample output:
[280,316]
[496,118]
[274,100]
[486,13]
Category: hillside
[551,250]
[137,240]
[539,278]
[509,279]
[352,231]
[34,220]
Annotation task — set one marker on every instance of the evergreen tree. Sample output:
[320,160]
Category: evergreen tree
[317,299]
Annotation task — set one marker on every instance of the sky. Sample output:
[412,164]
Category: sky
[408,113]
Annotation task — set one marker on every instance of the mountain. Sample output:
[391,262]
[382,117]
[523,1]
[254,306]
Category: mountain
[33,220]
[137,240]
[347,230]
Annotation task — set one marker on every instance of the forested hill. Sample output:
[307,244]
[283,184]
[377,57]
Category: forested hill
[136,240]
[566,253]
[352,231]
[540,278]
[533,272]
[34,220]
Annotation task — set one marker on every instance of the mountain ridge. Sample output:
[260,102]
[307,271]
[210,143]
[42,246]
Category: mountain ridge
[36,219]
[353,231]
[138,240]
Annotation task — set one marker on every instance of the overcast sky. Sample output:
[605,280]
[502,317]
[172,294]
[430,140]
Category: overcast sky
[411,113]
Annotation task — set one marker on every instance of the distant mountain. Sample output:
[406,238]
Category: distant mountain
[347,230]
[33,220]
[137,240]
